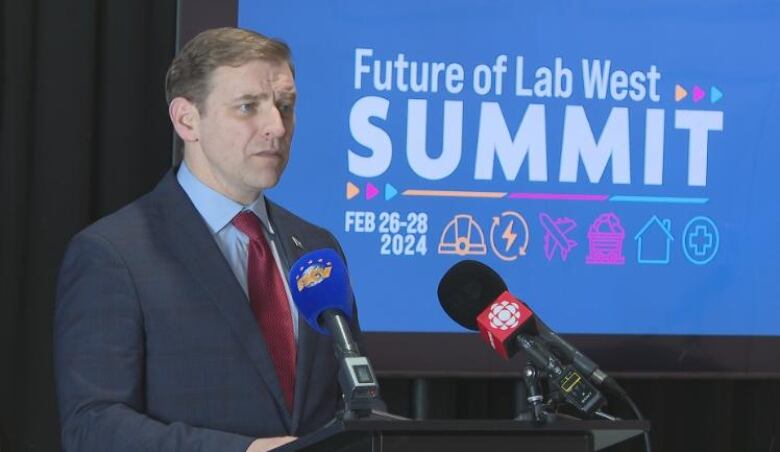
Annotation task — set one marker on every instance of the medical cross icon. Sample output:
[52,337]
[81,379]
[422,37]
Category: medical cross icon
[700,240]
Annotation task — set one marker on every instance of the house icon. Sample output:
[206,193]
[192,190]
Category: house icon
[654,241]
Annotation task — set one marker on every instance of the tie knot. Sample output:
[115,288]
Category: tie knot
[248,223]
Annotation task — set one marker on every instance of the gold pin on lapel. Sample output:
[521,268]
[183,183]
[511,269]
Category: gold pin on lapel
[297,242]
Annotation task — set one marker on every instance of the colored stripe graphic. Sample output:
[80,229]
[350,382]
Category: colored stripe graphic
[454,193]
[555,196]
[558,196]
[659,199]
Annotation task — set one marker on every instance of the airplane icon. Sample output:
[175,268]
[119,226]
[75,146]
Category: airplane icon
[555,236]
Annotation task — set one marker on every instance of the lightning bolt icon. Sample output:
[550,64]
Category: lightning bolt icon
[509,236]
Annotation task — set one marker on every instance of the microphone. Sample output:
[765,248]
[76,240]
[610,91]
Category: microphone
[320,289]
[503,321]
[476,297]
[469,287]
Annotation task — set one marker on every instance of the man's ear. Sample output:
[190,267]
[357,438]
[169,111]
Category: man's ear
[184,117]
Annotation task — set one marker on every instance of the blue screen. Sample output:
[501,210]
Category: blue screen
[616,162]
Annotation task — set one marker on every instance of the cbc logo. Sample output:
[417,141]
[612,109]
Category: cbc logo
[504,315]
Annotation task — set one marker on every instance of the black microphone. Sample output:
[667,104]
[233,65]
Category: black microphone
[470,286]
[470,289]
[485,305]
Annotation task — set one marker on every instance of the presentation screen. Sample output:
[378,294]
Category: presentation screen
[614,162]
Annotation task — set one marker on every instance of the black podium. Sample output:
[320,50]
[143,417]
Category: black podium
[458,435]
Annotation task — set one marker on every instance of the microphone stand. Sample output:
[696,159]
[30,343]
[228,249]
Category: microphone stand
[536,410]
[359,385]
[535,397]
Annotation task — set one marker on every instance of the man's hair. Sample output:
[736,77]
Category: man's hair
[191,69]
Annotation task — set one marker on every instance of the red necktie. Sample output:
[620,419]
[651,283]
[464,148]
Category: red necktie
[269,303]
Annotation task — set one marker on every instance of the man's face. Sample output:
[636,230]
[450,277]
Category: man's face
[245,129]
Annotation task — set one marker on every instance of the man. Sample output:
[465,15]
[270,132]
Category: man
[174,328]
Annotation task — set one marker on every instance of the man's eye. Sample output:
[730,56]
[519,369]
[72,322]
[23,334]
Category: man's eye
[246,108]
[285,108]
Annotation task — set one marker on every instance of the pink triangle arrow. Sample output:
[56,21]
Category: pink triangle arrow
[698,93]
[371,190]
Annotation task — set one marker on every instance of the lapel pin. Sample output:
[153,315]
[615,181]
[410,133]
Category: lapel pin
[297,242]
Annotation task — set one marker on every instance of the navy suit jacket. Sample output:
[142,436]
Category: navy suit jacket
[156,348]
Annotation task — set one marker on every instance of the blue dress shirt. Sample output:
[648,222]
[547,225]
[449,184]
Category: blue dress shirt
[218,211]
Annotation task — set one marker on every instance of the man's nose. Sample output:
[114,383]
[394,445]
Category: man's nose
[273,124]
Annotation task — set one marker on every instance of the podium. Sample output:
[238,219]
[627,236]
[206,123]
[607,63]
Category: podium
[466,435]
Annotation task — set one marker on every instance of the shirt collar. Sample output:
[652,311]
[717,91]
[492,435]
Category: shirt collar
[217,209]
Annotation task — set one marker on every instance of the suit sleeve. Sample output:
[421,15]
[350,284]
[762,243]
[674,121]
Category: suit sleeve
[99,361]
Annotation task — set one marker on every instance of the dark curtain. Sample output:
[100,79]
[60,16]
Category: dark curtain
[84,130]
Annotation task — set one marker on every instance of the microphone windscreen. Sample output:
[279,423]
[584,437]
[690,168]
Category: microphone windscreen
[319,282]
[467,289]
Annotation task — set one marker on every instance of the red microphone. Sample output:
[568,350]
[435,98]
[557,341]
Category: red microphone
[502,321]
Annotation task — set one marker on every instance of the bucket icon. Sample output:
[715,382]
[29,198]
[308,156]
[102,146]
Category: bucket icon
[605,241]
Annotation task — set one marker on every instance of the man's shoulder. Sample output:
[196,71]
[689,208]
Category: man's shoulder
[131,218]
[124,238]
[137,219]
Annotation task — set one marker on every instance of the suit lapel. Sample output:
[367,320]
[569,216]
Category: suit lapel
[293,246]
[191,240]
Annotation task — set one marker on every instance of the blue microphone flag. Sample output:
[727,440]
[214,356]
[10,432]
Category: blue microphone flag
[319,282]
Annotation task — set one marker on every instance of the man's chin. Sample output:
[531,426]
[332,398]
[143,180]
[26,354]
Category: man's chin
[265,181]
